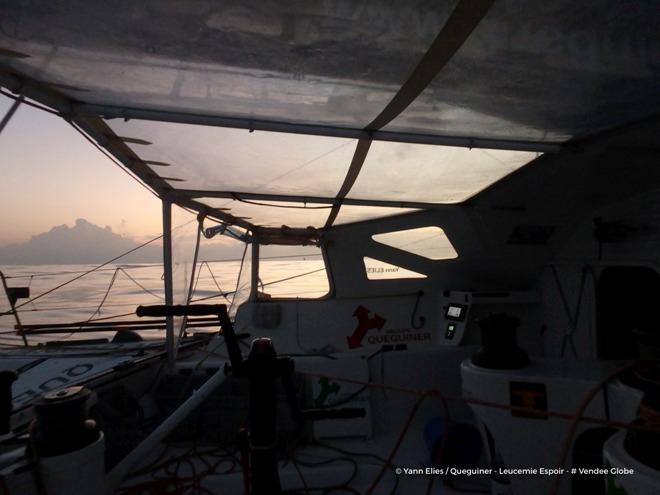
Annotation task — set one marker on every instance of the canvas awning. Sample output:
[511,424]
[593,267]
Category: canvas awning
[316,113]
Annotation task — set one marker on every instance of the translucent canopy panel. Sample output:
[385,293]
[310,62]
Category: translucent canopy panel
[358,213]
[546,71]
[236,160]
[335,63]
[379,270]
[433,174]
[295,215]
[533,70]
[429,242]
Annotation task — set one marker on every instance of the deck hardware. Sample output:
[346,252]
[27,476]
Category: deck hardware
[262,368]
[13,295]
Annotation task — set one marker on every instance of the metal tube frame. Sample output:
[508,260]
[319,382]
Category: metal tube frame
[110,112]
[238,196]
[167,281]
[254,279]
[10,113]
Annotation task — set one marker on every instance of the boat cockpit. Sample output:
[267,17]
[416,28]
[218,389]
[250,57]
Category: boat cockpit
[477,182]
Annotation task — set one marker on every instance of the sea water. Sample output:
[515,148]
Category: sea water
[114,291]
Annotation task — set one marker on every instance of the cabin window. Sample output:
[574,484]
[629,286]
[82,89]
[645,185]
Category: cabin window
[380,270]
[429,242]
[292,272]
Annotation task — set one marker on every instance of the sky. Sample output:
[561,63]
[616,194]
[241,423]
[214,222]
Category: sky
[52,176]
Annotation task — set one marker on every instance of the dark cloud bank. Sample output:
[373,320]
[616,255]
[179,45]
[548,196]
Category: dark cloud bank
[82,243]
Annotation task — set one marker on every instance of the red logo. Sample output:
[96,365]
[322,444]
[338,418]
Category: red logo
[364,325]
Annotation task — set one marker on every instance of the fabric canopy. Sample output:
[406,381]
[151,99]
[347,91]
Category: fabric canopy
[313,113]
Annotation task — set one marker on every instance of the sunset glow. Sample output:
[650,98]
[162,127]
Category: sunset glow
[51,176]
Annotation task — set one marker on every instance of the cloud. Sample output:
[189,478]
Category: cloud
[82,243]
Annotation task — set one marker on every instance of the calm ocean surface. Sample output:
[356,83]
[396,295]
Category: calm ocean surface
[139,284]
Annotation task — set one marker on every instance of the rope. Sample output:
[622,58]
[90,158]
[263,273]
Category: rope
[480,402]
[238,279]
[105,297]
[422,395]
[566,445]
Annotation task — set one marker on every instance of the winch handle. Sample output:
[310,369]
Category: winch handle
[181,310]
[219,310]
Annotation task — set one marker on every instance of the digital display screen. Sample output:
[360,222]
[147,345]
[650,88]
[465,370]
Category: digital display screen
[455,312]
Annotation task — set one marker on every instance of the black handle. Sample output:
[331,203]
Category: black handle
[219,310]
[343,413]
[181,310]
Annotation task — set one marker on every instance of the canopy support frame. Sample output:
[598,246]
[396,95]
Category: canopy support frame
[167,282]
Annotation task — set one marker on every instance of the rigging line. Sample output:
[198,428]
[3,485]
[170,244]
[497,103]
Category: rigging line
[98,309]
[572,317]
[217,285]
[136,267]
[264,285]
[222,294]
[72,272]
[82,274]
[292,277]
[30,103]
[193,283]
[111,158]
[238,278]
[262,258]
[87,272]
[461,23]
[140,285]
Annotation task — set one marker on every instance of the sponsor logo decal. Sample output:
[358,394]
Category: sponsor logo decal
[364,325]
[328,388]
